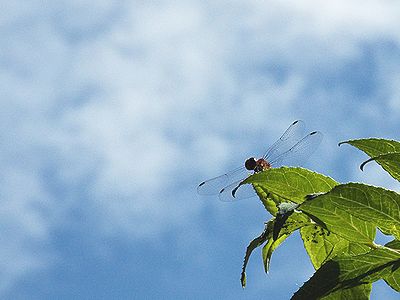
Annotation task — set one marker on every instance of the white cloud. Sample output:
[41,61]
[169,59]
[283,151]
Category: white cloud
[25,222]
[127,99]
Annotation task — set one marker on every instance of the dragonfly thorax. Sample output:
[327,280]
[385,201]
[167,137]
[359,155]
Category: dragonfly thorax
[259,165]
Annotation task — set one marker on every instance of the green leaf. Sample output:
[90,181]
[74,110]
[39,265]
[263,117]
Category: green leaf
[256,242]
[286,209]
[393,279]
[356,249]
[395,244]
[377,206]
[268,200]
[322,245]
[327,214]
[268,249]
[374,148]
[359,292]
[344,272]
[294,221]
[292,184]
[390,162]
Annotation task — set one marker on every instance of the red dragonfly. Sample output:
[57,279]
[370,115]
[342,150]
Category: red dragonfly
[292,148]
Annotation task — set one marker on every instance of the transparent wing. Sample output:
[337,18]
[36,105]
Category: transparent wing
[233,192]
[290,137]
[300,152]
[214,185]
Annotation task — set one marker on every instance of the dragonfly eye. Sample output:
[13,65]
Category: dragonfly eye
[250,164]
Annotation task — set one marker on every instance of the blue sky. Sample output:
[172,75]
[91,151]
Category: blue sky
[113,111]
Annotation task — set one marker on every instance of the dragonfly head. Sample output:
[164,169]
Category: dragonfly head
[250,164]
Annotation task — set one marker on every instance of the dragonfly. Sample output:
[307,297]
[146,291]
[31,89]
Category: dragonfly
[292,149]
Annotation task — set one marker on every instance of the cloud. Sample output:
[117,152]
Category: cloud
[24,224]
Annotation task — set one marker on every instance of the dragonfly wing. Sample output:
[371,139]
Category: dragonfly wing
[214,185]
[234,192]
[300,152]
[290,137]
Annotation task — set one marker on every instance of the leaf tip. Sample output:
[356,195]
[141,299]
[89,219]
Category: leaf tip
[364,163]
[243,279]
[344,142]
